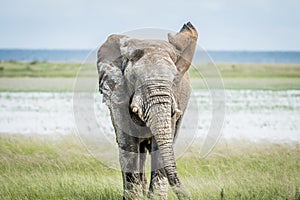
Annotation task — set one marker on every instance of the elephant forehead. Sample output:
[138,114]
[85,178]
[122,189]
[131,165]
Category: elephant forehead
[159,59]
[128,46]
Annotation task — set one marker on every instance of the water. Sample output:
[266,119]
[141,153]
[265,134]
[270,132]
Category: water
[290,57]
[217,56]
[43,55]
[250,114]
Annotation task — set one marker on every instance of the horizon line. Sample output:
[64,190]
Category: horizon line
[86,49]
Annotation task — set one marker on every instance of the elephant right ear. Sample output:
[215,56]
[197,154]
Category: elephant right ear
[185,42]
[110,64]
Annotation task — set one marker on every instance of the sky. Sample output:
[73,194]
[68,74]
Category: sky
[84,24]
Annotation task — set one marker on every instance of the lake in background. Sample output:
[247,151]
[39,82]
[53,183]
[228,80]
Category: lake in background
[217,56]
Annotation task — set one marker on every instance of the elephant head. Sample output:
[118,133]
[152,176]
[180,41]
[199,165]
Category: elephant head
[143,75]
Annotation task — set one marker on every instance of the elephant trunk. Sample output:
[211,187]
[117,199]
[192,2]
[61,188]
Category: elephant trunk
[159,123]
[157,115]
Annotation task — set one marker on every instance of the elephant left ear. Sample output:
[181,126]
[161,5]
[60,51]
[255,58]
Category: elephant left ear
[185,42]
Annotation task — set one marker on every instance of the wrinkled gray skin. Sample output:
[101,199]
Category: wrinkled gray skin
[146,86]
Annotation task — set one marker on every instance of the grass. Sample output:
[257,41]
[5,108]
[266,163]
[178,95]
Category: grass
[255,70]
[14,69]
[44,76]
[35,168]
[44,167]
[42,69]
[247,76]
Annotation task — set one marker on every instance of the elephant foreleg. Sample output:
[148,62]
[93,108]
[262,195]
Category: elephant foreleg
[129,161]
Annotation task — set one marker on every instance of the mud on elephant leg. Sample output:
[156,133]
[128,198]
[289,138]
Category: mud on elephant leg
[129,161]
[159,181]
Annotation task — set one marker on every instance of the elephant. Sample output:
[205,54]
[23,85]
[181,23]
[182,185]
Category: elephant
[146,86]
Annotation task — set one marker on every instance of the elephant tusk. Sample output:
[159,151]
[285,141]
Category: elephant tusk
[178,112]
[175,111]
[134,109]
[138,112]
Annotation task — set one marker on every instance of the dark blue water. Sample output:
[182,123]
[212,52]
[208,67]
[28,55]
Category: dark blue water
[217,56]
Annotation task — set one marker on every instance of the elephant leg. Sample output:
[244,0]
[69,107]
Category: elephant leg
[159,181]
[144,147]
[129,161]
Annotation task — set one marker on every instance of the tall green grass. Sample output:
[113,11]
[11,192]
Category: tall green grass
[35,168]
[44,167]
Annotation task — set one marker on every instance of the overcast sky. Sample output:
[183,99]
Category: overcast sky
[83,24]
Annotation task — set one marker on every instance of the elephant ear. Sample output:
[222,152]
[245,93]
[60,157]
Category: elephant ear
[185,42]
[110,64]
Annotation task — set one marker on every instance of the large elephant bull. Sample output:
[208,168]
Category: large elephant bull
[146,86]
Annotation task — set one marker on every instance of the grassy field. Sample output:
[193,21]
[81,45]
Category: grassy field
[44,167]
[44,76]
[38,69]
[40,167]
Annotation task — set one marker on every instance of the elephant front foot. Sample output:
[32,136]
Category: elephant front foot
[133,188]
[135,192]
